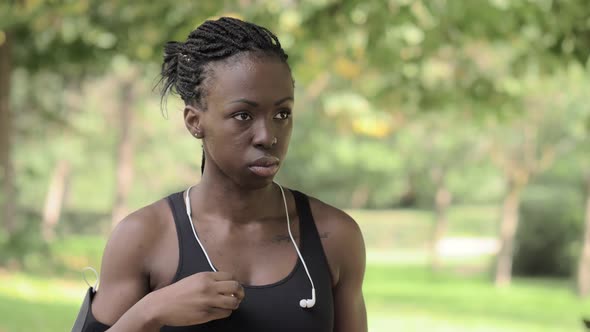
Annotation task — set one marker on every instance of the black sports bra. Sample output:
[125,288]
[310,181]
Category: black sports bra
[273,307]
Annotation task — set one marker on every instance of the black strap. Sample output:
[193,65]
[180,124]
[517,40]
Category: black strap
[85,322]
[306,223]
[313,245]
[182,223]
[84,310]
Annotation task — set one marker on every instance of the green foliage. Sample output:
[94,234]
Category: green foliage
[25,248]
[386,92]
[425,54]
[548,238]
[78,37]
[358,65]
[67,255]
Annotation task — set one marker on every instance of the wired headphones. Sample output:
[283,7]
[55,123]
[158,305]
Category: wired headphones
[304,303]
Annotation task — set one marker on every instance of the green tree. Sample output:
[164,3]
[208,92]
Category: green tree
[583,273]
[8,186]
[78,39]
[527,144]
[580,92]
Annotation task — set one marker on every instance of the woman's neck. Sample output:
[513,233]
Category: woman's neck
[229,201]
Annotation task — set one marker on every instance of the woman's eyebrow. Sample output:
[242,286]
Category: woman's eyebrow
[245,101]
[255,104]
[277,103]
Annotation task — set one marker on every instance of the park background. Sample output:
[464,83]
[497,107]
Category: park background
[456,132]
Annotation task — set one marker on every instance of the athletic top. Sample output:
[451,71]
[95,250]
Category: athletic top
[273,307]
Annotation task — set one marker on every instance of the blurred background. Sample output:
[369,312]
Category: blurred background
[456,132]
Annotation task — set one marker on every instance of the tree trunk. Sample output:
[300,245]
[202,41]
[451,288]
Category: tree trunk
[584,263]
[409,197]
[508,227]
[55,198]
[360,197]
[9,200]
[442,201]
[124,163]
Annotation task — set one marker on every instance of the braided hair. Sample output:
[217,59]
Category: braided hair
[186,65]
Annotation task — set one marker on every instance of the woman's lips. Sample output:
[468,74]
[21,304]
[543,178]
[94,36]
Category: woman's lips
[264,171]
[265,167]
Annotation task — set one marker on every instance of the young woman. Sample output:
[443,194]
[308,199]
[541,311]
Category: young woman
[235,252]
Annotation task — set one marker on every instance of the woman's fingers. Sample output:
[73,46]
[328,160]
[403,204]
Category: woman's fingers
[230,287]
[218,313]
[227,302]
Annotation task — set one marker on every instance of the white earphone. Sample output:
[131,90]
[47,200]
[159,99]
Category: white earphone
[304,303]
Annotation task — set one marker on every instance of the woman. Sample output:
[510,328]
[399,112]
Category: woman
[224,254]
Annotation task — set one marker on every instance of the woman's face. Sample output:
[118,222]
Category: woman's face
[247,124]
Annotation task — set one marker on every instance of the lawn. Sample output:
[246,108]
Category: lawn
[399,298]
[411,298]
[401,292]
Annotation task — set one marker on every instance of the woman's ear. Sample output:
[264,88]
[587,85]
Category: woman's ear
[192,120]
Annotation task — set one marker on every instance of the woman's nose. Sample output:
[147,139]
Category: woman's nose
[264,135]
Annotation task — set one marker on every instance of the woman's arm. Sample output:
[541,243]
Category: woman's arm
[121,301]
[124,301]
[345,250]
[350,313]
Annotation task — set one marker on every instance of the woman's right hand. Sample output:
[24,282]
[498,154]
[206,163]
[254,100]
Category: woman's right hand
[196,299]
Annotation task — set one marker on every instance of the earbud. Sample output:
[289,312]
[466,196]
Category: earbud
[308,303]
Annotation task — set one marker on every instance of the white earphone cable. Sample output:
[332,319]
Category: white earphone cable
[291,236]
[187,202]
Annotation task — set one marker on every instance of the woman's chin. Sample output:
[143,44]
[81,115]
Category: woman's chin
[257,182]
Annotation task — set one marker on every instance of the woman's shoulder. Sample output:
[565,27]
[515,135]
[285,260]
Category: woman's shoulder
[146,220]
[341,236]
[139,232]
[326,215]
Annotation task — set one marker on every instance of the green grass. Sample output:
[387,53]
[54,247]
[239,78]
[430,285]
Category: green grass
[398,297]
[33,303]
[411,298]
[401,293]
[21,315]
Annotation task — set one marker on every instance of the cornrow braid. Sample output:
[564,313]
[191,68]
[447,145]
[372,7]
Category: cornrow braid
[185,64]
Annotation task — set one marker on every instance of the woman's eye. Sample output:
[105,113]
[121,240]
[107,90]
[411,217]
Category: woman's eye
[242,116]
[283,115]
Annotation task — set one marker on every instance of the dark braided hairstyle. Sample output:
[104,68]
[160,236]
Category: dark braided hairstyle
[186,65]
